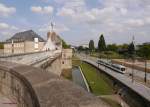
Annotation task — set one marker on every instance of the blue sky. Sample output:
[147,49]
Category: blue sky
[78,21]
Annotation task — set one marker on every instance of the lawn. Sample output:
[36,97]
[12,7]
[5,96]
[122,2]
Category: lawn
[111,55]
[98,85]
[98,82]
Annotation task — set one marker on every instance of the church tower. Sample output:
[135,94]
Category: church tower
[50,46]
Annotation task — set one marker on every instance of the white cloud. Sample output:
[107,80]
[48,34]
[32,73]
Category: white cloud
[5,33]
[5,26]
[66,12]
[59,28]
[6,11]
[42,10]
[135,22]
[147,20]
[123,11]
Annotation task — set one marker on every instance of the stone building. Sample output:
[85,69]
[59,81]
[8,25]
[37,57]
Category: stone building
[24,42]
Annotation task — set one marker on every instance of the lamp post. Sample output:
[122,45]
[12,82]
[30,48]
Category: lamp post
[145,78]
[132,69]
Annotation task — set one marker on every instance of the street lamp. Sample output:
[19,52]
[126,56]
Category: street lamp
[133,61]
[145,78]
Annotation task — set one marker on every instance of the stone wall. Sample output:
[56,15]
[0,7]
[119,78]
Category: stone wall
[34,87]
[55,66]
[12,86]
[66,59]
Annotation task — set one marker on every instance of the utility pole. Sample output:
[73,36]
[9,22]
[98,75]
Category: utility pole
[145,78]
[133,59]
[132,70]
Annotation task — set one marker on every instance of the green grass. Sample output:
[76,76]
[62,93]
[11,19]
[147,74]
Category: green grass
[76,61]
[97,83]
[111,55]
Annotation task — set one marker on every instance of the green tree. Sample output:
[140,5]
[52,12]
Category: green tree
[91,45]
[144,51]
[101,43]
[80,48]
[65,45]
[131,49]
[112,47]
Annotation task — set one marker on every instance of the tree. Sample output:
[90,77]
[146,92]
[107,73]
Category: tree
[131,49]
[80,48]
[91,45]
[65,45]
[101,43]
[112,47]
[144,51]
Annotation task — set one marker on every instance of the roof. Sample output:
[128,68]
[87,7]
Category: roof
[28,35]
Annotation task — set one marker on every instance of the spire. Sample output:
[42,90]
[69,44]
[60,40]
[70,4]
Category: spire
[52,26]
[133,39]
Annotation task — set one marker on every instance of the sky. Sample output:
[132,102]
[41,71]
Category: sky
[78,21]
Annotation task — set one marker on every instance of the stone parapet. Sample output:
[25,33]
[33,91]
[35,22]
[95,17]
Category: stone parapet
[34,87]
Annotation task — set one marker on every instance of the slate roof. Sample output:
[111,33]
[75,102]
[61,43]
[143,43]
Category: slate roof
[28,35]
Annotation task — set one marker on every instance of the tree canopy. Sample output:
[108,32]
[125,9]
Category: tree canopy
[91,45]
[65,45]
[131,49]
[112,47]
[101,43]
[144,51]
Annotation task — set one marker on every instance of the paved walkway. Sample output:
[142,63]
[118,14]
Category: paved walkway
[137,87]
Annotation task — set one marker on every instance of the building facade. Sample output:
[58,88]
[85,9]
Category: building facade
[24,42]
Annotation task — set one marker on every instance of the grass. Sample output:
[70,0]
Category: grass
[97,83]
[111,55]
[76,61]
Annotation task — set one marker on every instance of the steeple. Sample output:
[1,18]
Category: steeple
[52,26]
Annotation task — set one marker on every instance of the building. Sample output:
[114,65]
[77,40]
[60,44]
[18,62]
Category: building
[54,42]
[24,42]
